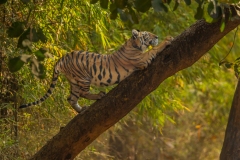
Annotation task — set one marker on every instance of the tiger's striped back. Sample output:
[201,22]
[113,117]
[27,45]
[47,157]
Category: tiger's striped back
[83,68]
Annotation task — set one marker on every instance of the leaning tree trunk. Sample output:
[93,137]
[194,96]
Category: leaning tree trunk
[231,144]
[185,50]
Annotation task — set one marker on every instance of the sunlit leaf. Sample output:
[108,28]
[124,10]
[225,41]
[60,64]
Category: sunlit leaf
[15,64]
[222,27]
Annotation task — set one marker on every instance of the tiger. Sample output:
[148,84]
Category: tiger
[83,68]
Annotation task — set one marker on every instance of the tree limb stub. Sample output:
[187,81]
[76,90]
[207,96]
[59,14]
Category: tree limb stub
[185,50]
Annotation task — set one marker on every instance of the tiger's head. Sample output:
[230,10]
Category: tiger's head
[143,39]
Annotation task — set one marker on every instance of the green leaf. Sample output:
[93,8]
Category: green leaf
[34,35]
[188,2]
[41,36]
[199,14]
[222,27]
[214,10]
[3,1]
[25,1]
[93,1]
[121,3]
[31,35]
[113,7]
[158,6]
[15,64]
[113,14]
[228,65]
[206,15]
[40,56]
[176,5]
[133,15]
[142,5]
[104,4]
[16,29]
[24,36]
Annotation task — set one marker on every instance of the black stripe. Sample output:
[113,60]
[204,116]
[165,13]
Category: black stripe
[52,85]
[23,106]
[54,79]
[94,65]
[118,77]
[103,84]
[100,77]
[109,68]
[74,94]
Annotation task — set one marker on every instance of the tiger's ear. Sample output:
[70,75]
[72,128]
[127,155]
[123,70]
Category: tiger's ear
[135,33]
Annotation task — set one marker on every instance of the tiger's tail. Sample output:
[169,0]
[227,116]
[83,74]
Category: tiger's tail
[49,92]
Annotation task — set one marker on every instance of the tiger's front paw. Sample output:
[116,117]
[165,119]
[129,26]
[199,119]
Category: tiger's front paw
[168,40]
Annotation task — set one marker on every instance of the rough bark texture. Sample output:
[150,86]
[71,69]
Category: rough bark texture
[185,50]
[231,144]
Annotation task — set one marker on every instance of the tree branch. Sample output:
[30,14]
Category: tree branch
[185,50]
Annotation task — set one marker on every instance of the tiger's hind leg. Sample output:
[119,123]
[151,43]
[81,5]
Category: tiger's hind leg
[91,96]
[85,93]
[73,98]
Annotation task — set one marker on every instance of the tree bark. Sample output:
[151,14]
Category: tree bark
[184,51]
[231,144]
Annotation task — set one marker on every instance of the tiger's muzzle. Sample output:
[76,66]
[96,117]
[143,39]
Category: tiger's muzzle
[154,42]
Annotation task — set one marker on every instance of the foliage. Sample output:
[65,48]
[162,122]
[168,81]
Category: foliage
[192,105]
[33,32]
[210,10]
